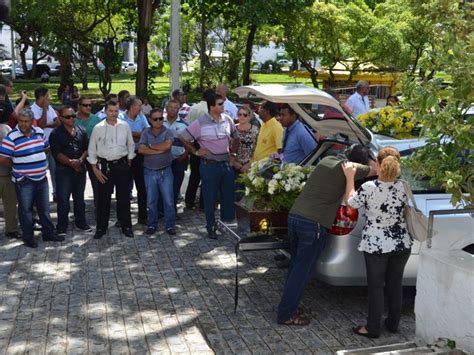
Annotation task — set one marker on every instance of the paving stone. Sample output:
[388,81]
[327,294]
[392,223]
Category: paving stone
[165,295]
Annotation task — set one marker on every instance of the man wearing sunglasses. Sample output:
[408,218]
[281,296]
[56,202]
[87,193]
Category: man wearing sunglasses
[218,139]
[155,144]
[69,144]
[87,120]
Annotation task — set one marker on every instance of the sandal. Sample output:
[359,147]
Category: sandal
[297,319]
[357,330]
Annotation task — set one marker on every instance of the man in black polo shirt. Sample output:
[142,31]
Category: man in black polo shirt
[69,144]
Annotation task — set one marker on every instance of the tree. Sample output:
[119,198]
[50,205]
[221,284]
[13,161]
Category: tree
[146,10]
[439,104]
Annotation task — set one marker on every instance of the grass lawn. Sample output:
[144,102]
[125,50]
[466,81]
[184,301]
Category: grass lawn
[126,81]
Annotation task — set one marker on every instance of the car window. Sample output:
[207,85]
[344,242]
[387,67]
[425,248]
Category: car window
[320,112]
[418,184]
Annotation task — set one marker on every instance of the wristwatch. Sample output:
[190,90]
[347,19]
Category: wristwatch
[233,155]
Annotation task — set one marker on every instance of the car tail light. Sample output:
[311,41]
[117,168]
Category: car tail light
[345,221]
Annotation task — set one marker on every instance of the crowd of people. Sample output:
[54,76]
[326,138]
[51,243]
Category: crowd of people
[128,143]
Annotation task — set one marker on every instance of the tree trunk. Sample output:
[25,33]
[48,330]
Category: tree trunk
[23,60]
[65,72]
[312,72]
[145,16]
[248,54]
[105,78]
[84,73]
[34,62]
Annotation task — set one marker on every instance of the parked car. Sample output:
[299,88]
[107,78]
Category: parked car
[341,263]
[283,62]
[129,67]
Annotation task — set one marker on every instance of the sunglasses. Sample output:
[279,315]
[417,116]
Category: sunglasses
[68,117]
[86,105]
[243,114]
[154,119]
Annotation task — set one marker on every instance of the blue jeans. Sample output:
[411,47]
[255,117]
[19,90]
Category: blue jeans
[29,193]
[69,182]
[307,240]
[217,177]
[178,168]
[52,170]
[159,186]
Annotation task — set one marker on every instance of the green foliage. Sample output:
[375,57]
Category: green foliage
[448,157]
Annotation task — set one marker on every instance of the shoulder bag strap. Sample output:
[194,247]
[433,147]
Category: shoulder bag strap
[409,192]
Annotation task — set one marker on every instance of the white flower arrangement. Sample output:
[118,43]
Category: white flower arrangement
[270,185]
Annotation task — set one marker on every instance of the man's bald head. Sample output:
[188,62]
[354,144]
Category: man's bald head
[222,89]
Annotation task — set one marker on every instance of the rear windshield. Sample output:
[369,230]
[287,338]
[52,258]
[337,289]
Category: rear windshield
[321,112]
[418,184]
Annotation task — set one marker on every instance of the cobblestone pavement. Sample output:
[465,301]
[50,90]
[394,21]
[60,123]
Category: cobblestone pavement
[164,294]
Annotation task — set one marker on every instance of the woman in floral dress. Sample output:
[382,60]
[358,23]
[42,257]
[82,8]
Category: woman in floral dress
[385,242]
[248,134]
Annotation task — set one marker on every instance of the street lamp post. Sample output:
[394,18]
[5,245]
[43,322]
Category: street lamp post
[175,51]
[12,33]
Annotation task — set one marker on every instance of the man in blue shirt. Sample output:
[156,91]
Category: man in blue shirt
[298,142]
[137,123]
[180,154]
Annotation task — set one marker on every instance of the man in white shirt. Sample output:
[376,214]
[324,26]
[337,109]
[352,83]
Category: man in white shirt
[47,119]
[229,107]
[101,113]
[359,101]
[111,150]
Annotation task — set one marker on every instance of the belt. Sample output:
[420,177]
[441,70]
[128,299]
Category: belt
[124,158]
[159,169]
[211,161]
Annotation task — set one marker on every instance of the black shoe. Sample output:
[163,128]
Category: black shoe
[117,224]
[212,234]
[53,238]
[84,227]
[357,330]
[127,232]
[171,231]
[390,329]
[60,231]
[99,234]
[30,243]
[150,230]
[143,221]
[14,235]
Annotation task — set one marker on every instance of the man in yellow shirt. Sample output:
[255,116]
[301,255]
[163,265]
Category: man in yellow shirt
[270,137]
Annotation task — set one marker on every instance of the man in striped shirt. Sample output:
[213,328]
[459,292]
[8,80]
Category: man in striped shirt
[24,150]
